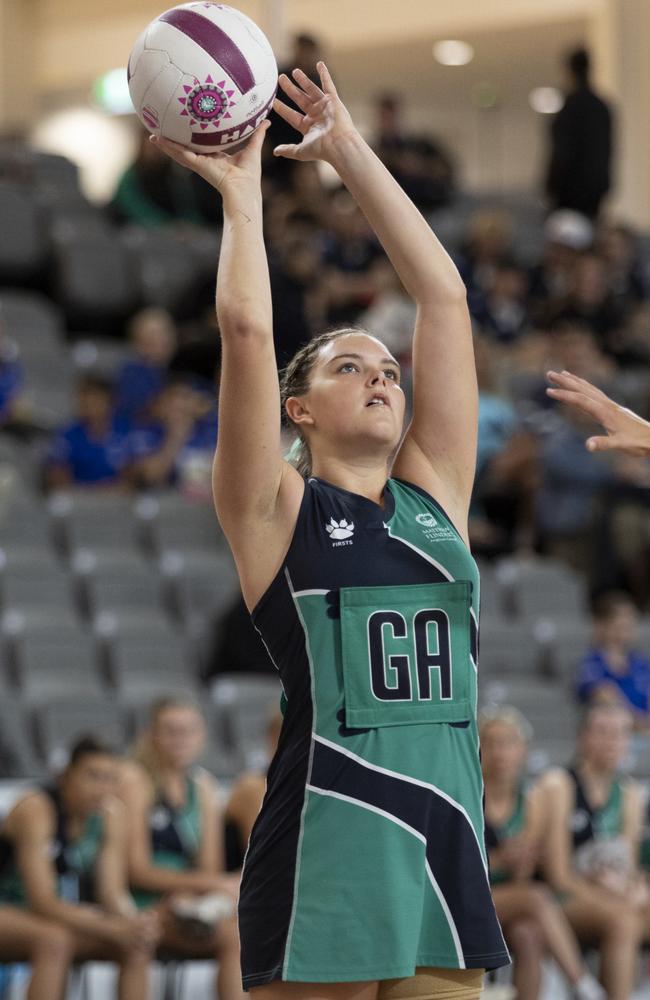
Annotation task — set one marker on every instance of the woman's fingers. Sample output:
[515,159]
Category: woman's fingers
[602,444]
[297,95]
[290,115]
[568,380]
[181,154]
[309,87]
[326,80]
[593,407]
[289,151]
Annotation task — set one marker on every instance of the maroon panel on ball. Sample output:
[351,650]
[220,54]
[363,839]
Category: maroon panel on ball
[215,42]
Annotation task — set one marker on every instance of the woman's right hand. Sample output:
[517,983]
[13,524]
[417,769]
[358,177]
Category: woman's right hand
[223,171]
[323,119]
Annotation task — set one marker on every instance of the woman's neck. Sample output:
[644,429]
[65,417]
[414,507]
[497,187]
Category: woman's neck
[368,480]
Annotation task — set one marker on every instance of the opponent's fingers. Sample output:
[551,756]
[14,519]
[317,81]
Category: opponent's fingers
[569,380]
[578,399]
[297,95]
[290,115]
[309,87]
[601,444]
[289,151]
[327,83]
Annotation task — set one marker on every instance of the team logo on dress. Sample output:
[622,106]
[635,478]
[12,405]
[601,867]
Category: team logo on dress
[428,520]
[340,531]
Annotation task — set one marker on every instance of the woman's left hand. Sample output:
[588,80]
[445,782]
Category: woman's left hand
[322,120]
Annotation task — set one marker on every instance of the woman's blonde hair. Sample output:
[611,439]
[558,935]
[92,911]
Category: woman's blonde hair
[507,715]
[144,751]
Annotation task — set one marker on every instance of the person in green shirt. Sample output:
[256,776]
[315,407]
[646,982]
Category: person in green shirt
[63,891]
[533,922]
[593,819]
[176,851]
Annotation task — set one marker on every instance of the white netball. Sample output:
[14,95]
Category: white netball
[204,75]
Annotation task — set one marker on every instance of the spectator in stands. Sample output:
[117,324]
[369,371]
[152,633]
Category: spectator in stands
[91,451]
[153,192]
[350,254]
[487,248]
[501,310]
[63,895]
[502,516]
[589,300]
[572,495]
[581,143]
[12,382]
[245,801]
[176,446]
[613,671]
[533,923]
[627,277]
[305,53]
[176,851]
[141,378]
[420,164]
[566,235]
[591,837]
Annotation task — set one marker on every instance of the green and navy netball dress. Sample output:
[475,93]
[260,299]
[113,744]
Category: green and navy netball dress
[368,856]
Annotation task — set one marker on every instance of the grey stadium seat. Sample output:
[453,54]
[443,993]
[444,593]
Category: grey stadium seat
[62,721]
[246,704]
[95,282]
[56,668]
[15,733]
[548,589]
[141,590]
[165,268]
[175,523]
[84,520]
[164,657]
[32,320]
[22,236]
[507,648]
[202,584]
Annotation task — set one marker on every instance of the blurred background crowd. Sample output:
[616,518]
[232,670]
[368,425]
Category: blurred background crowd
[117,587]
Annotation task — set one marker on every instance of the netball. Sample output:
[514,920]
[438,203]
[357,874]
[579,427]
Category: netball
[202,74]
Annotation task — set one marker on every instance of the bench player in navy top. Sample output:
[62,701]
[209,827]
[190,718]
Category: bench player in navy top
[366,872]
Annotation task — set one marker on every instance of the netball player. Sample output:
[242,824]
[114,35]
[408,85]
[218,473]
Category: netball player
[366,871]
[626,431]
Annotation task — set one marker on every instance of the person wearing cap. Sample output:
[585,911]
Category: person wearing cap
[567,234]
[579,170]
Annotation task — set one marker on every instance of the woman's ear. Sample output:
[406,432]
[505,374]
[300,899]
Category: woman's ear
[298,411]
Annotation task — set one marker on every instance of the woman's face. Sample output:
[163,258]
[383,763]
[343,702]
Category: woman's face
[355,402]
[178,736]
[503,751]
[604,739]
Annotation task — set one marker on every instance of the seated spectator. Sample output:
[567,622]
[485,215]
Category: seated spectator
[506,468]
[176,852]
[140,379]
[501,310]
[176,446]
[628,278]
[245,801]
[575,487]
[487,247]
[152,191]
[589,300]
[613,671]
[566,235]
[418,162]
[350,252]
[93,450]
[63,897]
[12,380]
[533,923]
[591,838]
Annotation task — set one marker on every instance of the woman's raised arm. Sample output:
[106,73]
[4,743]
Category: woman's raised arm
[439,451]
[255,491]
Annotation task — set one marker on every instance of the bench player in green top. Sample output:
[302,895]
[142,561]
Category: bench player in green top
[533,922]
[592,835]
[63,889]
[366,871]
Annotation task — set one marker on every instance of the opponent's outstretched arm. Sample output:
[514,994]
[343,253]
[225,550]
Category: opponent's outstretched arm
[440,449]
[626,431]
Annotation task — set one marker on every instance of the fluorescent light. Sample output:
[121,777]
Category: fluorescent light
[452,52]
[546,100]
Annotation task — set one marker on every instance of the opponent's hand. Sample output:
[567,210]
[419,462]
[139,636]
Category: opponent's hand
[626,431]
[221,170]
[322,120]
